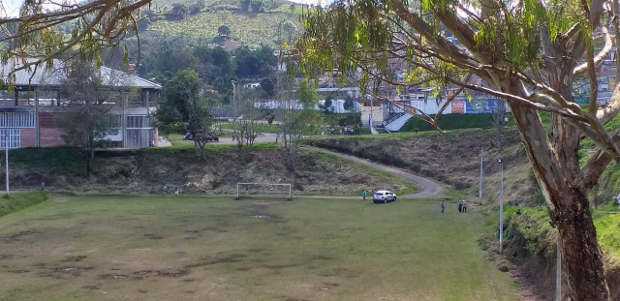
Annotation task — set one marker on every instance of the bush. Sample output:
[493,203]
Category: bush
[451,122]
[176,127]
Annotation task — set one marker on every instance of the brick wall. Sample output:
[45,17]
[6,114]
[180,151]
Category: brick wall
[47,120]
[51,137]
[28,138]
[51,134]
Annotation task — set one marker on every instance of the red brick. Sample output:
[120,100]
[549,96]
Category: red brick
[28,138]
[47,119]
[51,137]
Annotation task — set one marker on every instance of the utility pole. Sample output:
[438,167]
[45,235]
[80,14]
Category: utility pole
[481,189]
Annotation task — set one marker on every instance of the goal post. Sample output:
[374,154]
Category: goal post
[275,190]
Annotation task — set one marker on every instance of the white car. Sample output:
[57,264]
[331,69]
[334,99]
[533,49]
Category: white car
[383,196]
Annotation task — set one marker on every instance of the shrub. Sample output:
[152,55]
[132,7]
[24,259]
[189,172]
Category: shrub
[451,122]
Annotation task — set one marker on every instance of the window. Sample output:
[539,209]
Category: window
[12,136]
[17,119]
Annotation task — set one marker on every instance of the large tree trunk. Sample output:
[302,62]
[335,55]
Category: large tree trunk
[582,262]
[555,164]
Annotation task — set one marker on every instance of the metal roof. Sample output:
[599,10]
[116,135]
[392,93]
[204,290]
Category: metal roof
[54,76]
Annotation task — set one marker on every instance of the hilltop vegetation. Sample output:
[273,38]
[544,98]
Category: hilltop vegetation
[251,23]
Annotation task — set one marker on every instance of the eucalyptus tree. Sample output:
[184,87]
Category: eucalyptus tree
[528,53]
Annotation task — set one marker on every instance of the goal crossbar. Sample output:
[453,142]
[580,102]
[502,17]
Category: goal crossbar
[288,188]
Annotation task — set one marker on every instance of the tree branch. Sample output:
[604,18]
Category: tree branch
[595,167]
[596,60]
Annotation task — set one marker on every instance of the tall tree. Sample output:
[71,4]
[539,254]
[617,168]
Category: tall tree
[528,53]
[254,63]
[164,58]
[184,100]
[215,67]
[88,117]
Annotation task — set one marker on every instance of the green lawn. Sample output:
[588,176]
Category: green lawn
[161,248]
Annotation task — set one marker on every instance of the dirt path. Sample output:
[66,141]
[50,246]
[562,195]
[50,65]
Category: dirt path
[426,187]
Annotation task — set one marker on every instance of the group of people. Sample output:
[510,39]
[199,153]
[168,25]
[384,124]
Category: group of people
[461,206]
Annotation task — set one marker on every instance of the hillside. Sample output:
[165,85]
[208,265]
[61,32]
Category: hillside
[452,158]
[248,28]
[168,170]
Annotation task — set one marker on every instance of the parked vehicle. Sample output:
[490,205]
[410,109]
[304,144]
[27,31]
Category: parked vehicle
[384,196]
[210,137]
[347,130]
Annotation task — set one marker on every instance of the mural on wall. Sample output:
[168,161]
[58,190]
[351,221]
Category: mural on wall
[482,106]
[458,107]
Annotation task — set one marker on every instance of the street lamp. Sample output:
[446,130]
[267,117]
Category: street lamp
[501,205]
[6,162]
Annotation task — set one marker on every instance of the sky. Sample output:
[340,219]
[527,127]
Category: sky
[10,7]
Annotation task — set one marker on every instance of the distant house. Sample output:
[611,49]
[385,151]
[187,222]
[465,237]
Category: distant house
[30,107]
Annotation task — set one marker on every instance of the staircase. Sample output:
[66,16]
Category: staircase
[396,122]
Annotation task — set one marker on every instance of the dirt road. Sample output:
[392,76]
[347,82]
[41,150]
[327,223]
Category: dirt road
[426,188]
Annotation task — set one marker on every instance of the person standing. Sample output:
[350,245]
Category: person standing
[460,206]
[364,195]
[443,207]
[464,207]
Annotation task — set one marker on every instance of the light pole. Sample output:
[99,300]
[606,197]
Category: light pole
[481,189]
[6,160]
[501,205]
[370,127]
[500,119]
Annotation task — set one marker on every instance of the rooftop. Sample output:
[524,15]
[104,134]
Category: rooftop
[52,76]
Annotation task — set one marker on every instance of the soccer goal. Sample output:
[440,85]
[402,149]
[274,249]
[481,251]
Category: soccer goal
[264,190]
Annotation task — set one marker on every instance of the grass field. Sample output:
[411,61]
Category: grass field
[156,248]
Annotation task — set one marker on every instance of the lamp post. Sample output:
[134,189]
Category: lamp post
[6,160]
[501,205]
[481,189]
[500,120]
